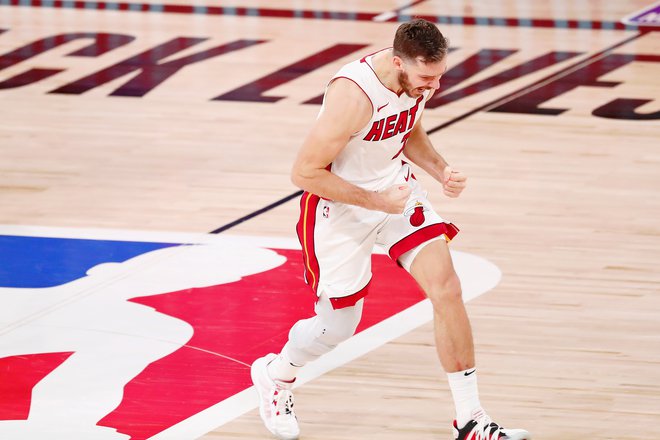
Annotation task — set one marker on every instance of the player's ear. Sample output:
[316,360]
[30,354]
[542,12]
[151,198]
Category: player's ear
[397,62]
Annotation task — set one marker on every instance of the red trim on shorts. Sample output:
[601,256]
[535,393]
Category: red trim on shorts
[351,300]
[410,175]
[420,236]
[305,230]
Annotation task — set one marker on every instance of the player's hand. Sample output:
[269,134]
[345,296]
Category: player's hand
[394,198]
[453,182]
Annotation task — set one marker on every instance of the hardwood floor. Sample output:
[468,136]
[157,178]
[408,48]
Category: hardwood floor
[563,193]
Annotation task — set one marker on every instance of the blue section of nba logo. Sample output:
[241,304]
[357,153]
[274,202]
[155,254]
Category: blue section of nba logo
[34,262]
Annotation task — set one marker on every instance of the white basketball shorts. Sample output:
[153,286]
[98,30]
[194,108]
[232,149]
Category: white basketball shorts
[337,240]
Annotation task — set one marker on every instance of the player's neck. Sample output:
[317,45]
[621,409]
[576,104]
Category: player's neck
[387,74]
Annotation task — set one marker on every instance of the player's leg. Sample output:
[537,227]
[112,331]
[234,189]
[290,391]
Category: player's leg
[417,240]
[337,257]
[274,375]
[313,337]
[433,270]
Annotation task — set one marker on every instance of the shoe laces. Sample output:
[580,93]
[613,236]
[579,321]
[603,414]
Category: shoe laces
[486,429]
[282,401]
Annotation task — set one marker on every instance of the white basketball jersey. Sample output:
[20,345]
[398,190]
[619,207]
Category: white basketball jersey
[373,156]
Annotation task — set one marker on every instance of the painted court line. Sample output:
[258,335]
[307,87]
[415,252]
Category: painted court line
[309,14]
[389,15]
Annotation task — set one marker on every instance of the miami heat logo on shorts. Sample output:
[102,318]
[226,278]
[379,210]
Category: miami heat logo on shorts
[416,214]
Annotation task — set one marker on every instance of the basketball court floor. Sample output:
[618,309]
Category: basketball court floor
[147,221]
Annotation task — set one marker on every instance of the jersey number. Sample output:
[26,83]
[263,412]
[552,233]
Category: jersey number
[404,139]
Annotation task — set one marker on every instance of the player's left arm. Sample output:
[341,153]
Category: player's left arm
[421,152]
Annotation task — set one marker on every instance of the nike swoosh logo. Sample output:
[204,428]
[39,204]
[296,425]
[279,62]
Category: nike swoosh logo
[382,107]
[467,373]
[408,176]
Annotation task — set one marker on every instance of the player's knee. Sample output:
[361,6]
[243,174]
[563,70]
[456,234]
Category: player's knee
[444,290]
[323,332]
[339,325]
[333,335]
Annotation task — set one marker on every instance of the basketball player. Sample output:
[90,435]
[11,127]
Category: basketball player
[360,192]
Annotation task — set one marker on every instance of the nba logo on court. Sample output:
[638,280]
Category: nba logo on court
[141,338]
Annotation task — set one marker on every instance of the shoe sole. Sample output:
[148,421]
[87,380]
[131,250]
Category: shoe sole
[519,436]
[254,375]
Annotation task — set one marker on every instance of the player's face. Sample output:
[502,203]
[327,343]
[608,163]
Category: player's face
[417,77]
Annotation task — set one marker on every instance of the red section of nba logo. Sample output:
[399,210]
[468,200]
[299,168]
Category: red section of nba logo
[18,376]
[234,324]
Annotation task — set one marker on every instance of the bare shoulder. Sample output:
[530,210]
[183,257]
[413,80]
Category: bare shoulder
[345,101]
[350,92]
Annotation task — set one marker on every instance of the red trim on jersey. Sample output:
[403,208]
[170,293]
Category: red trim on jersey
[364,60]
[305,230]
[420,236]
[351,300]
[365,94]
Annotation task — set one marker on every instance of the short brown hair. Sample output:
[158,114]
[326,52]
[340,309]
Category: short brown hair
[420,38]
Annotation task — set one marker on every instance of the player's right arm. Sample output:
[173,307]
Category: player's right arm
[346,111]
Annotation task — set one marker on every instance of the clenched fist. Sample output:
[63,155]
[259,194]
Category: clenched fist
[393,199]
[453,182]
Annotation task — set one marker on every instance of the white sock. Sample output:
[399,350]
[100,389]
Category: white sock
[463,385]
[282,369]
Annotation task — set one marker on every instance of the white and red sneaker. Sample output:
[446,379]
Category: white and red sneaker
[275,401]
[483,428]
